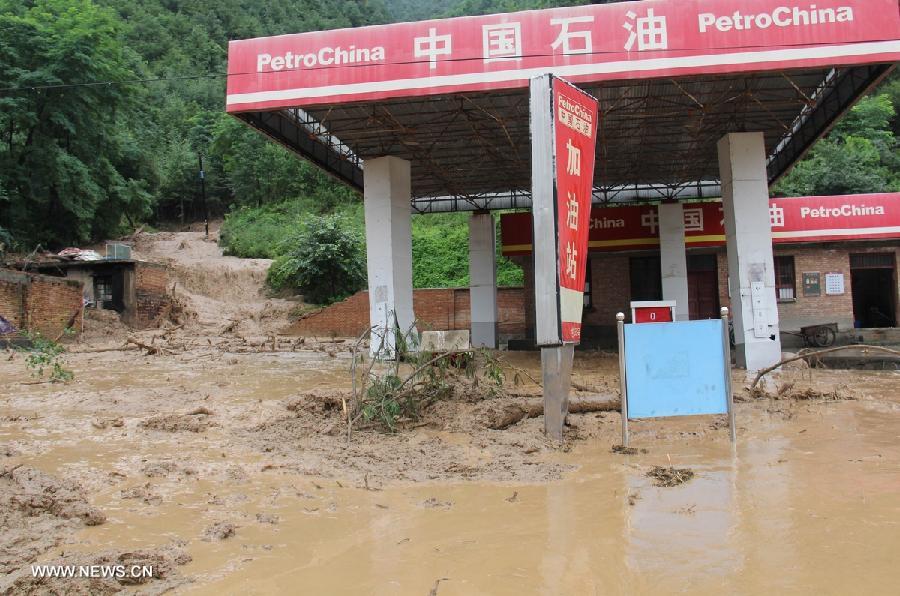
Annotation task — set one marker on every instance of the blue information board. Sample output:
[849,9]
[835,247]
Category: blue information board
[676,369]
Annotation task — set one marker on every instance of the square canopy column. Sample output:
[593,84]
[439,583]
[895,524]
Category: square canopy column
[673,258]
[748,234]
[483,279]
[389,252]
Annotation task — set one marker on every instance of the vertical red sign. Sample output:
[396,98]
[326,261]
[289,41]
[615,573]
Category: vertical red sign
[575,115]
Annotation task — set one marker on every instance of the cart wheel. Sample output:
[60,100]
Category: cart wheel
[823,337]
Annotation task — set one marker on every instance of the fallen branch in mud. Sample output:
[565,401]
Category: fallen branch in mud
[150,349]
[805,355]
[123,348]
[70,324]
[514,413]
[393,396]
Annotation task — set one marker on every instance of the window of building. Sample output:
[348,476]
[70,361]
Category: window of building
[872,261]
[646,278]
[103,289]
[785,278]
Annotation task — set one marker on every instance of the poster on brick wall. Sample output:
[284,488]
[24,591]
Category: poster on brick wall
[834,284]
[812,284]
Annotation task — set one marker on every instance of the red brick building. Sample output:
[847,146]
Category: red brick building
[137,290]
[40,303]
[443,309]
[836,261]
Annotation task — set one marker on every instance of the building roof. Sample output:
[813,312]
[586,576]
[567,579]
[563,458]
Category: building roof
[432,96]
[62,264]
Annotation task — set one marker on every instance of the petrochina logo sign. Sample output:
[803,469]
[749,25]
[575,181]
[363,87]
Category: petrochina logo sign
[783,16]
[792,220]
[324,57]
[842,211]
[503,41]
[588,43]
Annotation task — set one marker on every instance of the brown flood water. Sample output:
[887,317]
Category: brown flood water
[808,501]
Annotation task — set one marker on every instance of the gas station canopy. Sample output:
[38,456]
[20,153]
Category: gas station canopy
[672,78]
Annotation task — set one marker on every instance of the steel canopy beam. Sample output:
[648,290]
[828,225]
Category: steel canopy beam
[837,94]
[656,141]
[301,133]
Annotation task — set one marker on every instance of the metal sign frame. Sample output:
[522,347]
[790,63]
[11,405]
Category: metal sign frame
[623,375]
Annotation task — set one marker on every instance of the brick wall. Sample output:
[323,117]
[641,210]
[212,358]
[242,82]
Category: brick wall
[436,309]
[150,293]
[812,310]
[449,308]
[611,289]
[40,303]
[722,271]
[12,298]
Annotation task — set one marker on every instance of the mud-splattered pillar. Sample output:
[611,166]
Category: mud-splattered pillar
[387,193]
[748,237]
[483,279]
[673,258]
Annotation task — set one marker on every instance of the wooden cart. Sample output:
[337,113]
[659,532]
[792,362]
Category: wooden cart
[819,336]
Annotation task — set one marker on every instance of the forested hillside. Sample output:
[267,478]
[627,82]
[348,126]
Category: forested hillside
[106,107]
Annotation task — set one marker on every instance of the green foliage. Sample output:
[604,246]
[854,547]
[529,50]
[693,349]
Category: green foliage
[45,354]
[478,7]
[418,10]
[257,233]
[6,241]
[440,241]
[440,250]
[323,259]
[860,155]
[85,163]
[70,165]
[441,253]
[395,395]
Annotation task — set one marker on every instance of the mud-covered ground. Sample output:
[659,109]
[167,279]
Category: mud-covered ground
[221,459]
[195,459]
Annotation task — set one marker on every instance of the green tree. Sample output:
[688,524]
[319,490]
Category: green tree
[860,155]
[324,260]
[478,7]
[69,163]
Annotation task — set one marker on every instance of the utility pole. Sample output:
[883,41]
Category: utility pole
[203,194]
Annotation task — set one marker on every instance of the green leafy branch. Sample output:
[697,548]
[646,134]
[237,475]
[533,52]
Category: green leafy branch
[45,355]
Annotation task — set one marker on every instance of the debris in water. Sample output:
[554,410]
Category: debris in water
[267,518]
[434,503]
[670,476]
[623,450]
[219,531]
[437,582]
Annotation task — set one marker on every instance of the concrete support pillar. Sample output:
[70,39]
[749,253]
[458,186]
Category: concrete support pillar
[556,375]
[748,233]
[389,252]
[483,280]
[673,258]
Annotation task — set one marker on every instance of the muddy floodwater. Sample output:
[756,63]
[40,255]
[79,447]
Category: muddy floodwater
[206,461]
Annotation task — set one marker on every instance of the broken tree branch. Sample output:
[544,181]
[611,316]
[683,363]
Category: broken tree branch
[513,413]
[805,355]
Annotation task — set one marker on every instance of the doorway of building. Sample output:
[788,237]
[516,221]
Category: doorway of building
[703,287]
[874,282]
[646,281]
